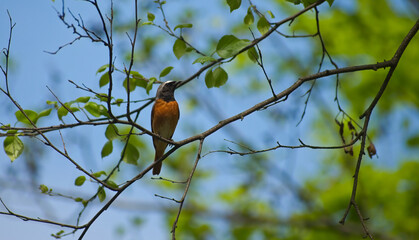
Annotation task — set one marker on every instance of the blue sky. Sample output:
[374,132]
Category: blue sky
[38,29]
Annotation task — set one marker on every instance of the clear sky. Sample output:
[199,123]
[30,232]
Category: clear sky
[38,29]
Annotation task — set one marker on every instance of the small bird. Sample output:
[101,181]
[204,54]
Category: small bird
[164,118]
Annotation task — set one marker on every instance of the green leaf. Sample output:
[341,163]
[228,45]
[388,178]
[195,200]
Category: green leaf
[100,173]
[103,97]
[253,54]
[82,99]
[103,68]
[209,79]
[43,188]
[165,71]
[119,101]
[13,147]
[220,77]
[185,25]
[271,14]
[111,132]
[150,17]
[61,112]
[263,25]
[78,199]
[140,81]
[101,194]
[104,79]
[44,113]
[204,59]
[92,108]
[32,115]
[230,45]
[79,180]
[179,48]
[52,103]
[234,4]
[330,2]
[132,84]
[150,84]
[107,149]
[249,18]
[112,184]
[131,154]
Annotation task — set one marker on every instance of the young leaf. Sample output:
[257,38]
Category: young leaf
[101,194]
[43,188]
[209,79]
[204,59]
[52,103]
[13,147]
[100,173]
[44,113]
[179,48]
[263,25]
[253,54]
[104,79]
[131,154]
[229,45]
[165,71]
[32,115]
[107,149]
[150,84]
[220,77]
[103,68]
[61,112]
[82,99]
[112,184]
[186,25]
[249,18]
[132,84]
[150,17]
[79,180]
[92,108]
[111,132]
[234,4]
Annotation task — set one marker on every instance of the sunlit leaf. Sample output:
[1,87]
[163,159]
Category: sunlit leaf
[100,173]
[83,99]
[165,71]
[230,45]
[93,108]
[101,194]
[131,154]
[13,147]
[102,68]
[253,54]
[263,25]
[79,180]
[186,25]
[179,48]
[32,115]
[249,18]
[220,77]
[107,149]
[204,59]
[104,79]
[234,4]
[150,17]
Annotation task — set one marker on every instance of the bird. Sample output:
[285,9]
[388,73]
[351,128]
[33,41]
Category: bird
[164,117]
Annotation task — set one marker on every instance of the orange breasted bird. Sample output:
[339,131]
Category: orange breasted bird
[164,118]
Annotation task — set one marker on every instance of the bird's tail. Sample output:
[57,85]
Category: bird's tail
[157,167]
